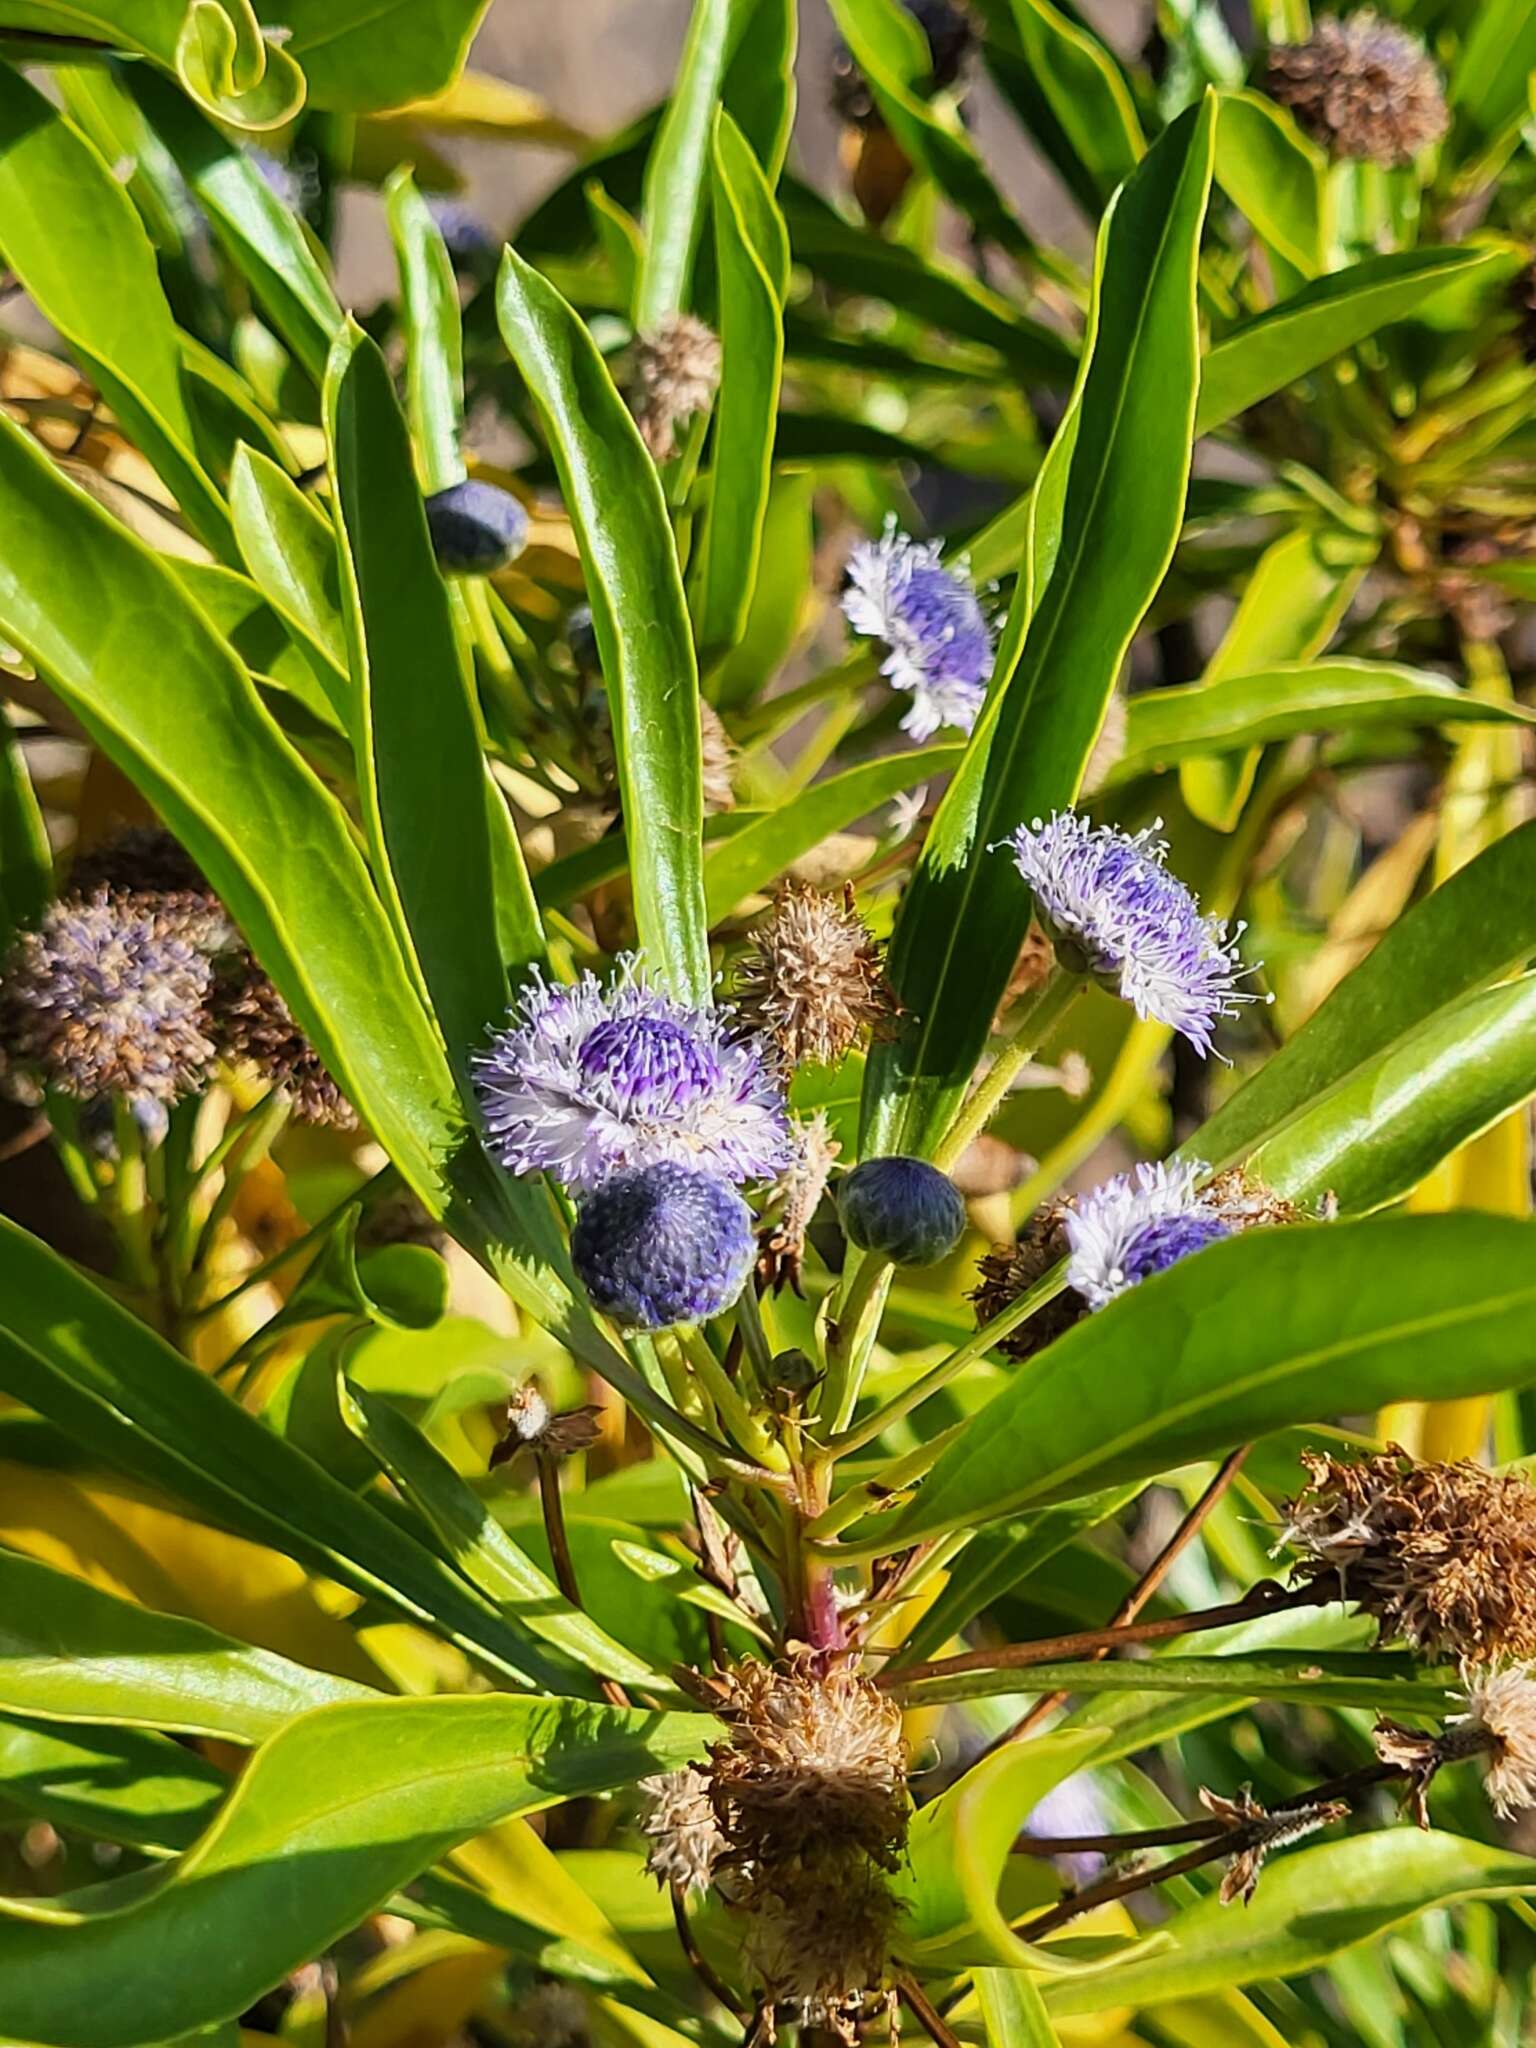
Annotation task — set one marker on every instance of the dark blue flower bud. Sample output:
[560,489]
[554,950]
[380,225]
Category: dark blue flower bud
[476,528]
[581,638]
[903,1208]
[663,1245]
[465,235]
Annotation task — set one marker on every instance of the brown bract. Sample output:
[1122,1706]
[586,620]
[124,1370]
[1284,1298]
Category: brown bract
[1255,1831]
[813,981]
[1444,1556]
[1362,87]
[794,1200]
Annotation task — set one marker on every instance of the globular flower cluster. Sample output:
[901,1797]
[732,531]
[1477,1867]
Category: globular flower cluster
[1362,87]
[1443,1556]
[1112,910]
[134,984]
[797,1821]
[476,527]
[939,639]
[653,1112]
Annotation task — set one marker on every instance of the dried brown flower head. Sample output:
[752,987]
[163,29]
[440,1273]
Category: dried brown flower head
[532,1425]
[809,1758]
[795,1198]
[685,1837]
[1501,1710]
[1243,1202]
[821,1943]
[138,858]
[676,374]
[1362,87]
[1444,1556]
[1256,1830]
[813,982]
[253,1024]
[1011,1270]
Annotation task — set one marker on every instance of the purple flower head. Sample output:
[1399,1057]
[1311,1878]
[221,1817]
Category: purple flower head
[476,528]
[465,235]
[587,1081]
[1107,898]
[663,1245]
[1136,1225]
[929,617]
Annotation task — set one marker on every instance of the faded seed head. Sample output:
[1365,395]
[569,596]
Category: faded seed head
[1444,1556]
[796,1196]
[253,1024]
[814,982]
[676,374]
[821,1940]
[1011,1270]
[685,1837]
[1502,1710]
[1363,88]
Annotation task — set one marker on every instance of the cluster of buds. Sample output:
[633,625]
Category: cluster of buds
[797,1822]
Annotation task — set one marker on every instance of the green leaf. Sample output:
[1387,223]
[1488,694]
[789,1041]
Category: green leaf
[70,1352]
[26,862]
[958,1847]
[1264,354]
[429,312]
[262,237]
[69,1652]
[1013,2010]
[646,648]
[1477,928]
[73,237]
[239,613]
[214,47]
[1164,727]
[773,841]
[773,621]
[1322,1678]
[1266,166]
[1375,1137]
[759,88]
[289,548]
[477,1543]
[332,1816]
[1253,1334]
[1088,100]
[752,257]
[85,600]
[965,914]
[1489,84]
[1310,1904]
[677,173]
[423,777]
[111,1784]
[892,53]
[363,56]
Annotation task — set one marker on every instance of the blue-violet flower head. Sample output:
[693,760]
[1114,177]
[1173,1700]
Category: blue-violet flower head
[931,619]
[1136,1225]
[476,528]
[587,1081]
[1107,898]
[663,1245]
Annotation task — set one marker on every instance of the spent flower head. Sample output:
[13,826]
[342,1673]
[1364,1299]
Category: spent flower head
[255,1027]
[1501,1710]
[586,1081]
[676,375]
[813,981]
[1113,910]
[685,1837]
[1442,1555]
[1362,87]
[931,620]
[793,1201]
[1136,1225]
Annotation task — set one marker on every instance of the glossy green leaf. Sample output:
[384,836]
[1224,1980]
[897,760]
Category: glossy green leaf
[1374,1138]
[1013,2010]
[1273,349]
[429,311]
[646,647]
[70,1652]
[773,841]
[965,914]
[215,48]
[361,56]
[892,53]
[958,1848]
[759,86]
[83,599]
[1489,83]
[477,1543]
[1322,1678]
[109,1784]
[68,1351]
[262,237]
[1253,1334]
[1277,175]
[290,552]
[677,174]
[1477,928]
[331,1817]
[1082,86]
[774,619]
[752,257]
[236,609]
[73,237]
[26,863]
[1312,1903]
[1164,727]
[423,776]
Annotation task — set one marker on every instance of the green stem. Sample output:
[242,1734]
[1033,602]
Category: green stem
[729,1405]
[252,1142]
[859,1501]
[129,1199]
[1040,1018]
[852,1338]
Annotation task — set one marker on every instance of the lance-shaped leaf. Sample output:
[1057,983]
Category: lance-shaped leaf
[677,174]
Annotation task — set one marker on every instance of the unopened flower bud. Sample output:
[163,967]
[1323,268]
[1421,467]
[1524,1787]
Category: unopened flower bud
[902,1208]
[476,528]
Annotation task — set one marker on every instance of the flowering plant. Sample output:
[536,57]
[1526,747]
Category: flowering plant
[767,1261]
